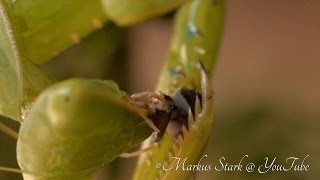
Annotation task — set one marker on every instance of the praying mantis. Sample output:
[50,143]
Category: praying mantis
[58,138]
[77,137]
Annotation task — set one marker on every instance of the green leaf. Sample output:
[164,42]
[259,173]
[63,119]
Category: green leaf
[128,12]
[197,34]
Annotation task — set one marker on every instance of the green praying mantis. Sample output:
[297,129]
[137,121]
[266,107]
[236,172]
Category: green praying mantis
[67,133]
[58,138]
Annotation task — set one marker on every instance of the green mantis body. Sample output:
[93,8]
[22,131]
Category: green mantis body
[75,127]
[128,12]
[197,34]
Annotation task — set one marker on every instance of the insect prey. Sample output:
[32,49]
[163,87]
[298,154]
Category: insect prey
[168,113]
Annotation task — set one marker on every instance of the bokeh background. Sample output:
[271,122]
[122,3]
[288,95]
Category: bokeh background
[266,84]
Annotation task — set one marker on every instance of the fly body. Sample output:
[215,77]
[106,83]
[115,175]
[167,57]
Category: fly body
[170,113]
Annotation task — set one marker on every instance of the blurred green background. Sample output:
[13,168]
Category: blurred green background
[266,84]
